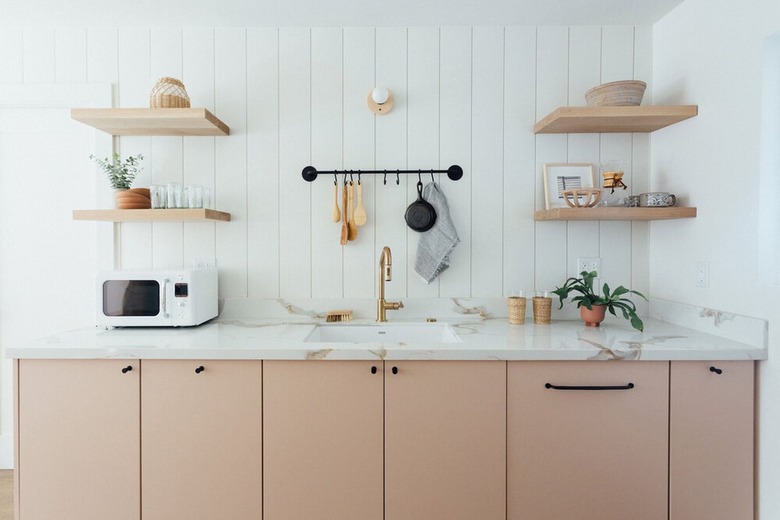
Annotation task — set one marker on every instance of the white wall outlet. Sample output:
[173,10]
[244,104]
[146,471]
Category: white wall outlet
[204,263]
[703,274]
[589,263]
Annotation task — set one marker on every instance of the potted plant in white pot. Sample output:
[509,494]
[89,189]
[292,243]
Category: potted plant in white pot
[121,175]
[593,306]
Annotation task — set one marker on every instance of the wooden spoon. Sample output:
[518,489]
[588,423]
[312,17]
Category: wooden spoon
[335,215]
[344,229]
[351,227]
[360,212]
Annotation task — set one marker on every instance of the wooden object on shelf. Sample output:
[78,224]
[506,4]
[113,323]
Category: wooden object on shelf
[152,121]
[141,215]
[615,213]
[613,119]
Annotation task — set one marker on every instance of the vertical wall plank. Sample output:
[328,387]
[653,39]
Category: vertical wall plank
[166,159]
[11,55]
[519,158]
[231,160]
[455,141]
[38,55]
[133,76]
[487,217]
[391,152]
[263,157]
[584,73]
[295,152]
[360,257]
[199,238]
[423,109]
[327,98]
[552,79]
[617,62]
[70,55]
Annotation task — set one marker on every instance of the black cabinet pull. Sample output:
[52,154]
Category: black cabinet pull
[395,370]
[127,369]
[199,369]
[373,370]
[716,370]
[629,386]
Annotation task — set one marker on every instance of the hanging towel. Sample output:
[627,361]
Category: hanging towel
[436,244]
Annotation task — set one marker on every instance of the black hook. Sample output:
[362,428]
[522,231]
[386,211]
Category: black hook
[335,179]
[384,181]
[358,177]
[351,179]
[345,177]
[397,177]
[419,178]
[433,180]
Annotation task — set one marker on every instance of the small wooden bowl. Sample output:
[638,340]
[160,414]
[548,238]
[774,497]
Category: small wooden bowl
[590,197]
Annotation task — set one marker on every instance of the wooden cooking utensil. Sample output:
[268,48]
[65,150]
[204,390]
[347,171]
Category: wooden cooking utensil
[360,212]
[344,229]
[335,215]
[351,227]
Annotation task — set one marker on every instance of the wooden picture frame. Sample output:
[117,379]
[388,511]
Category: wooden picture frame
[565,176]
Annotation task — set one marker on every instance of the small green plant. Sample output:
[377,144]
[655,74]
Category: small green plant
[120,173]
[611,300]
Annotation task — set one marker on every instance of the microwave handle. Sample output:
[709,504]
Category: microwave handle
[164,299]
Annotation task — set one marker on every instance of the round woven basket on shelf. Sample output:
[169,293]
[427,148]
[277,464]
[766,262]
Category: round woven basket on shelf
[169,93]
[616,94]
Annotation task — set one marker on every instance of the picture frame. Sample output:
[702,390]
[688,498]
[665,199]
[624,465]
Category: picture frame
[566,176]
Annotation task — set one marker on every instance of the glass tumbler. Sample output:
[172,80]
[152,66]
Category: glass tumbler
[195,196]
[159,198]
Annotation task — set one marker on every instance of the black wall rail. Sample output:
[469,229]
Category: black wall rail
[454,173]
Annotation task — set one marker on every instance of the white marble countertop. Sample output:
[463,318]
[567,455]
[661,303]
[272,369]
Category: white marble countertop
[478,339]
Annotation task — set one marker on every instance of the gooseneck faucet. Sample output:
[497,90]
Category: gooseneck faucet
[385,274]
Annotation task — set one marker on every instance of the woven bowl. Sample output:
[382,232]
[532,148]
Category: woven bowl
[169,93]
[616,94]
[582,198]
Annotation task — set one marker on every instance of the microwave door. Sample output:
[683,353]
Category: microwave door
[132,298]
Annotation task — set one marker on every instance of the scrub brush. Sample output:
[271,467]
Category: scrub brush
[342,315]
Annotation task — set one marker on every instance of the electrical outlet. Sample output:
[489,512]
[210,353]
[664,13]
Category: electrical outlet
[202,263]
[589,263]
[703,274]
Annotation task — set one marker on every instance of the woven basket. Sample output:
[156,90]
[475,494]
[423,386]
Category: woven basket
[169,93]
[616,94]
[542,309]
[516,310]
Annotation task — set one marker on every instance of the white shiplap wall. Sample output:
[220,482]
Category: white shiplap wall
[296,96]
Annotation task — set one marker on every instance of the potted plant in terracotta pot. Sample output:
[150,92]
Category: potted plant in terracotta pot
[593,306]
[121,175]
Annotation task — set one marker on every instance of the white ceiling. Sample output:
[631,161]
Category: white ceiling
[306,13]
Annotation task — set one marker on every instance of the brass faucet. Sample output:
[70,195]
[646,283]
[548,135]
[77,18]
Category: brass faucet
[385,274]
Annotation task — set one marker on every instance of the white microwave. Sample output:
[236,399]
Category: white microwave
[175,298]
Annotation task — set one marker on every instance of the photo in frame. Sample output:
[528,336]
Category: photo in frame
[562,176]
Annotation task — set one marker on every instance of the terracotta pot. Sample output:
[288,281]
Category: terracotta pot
[593,317]
[134,198]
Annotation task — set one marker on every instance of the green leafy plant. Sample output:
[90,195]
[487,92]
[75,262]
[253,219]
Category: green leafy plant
[611,300]
[120,173]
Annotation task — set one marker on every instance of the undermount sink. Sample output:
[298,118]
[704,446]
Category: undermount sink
[399,332]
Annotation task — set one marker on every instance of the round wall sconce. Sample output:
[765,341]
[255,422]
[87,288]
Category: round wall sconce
[380,101]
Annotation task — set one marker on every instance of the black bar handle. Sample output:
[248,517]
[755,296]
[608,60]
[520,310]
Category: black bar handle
[127,369]
[373,370]
[718,371]
[199,369]
[395,370]
[549,386]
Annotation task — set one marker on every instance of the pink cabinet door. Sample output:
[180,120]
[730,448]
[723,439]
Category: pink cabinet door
[201,440]
[711,440]
[587,454]
[79,446]
[445,440]
[323,434]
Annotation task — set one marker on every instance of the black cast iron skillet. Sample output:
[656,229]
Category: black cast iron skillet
[420,215]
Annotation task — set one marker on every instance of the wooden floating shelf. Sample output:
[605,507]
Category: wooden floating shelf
[600,213]
[590,120]
[152,121]
[157,215]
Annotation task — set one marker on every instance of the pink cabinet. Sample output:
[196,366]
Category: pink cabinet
[445,440]
[323,433]
[711,440]
[78,439]
[201,440]
[587,441]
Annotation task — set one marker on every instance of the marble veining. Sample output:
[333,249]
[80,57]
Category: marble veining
[718,316]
